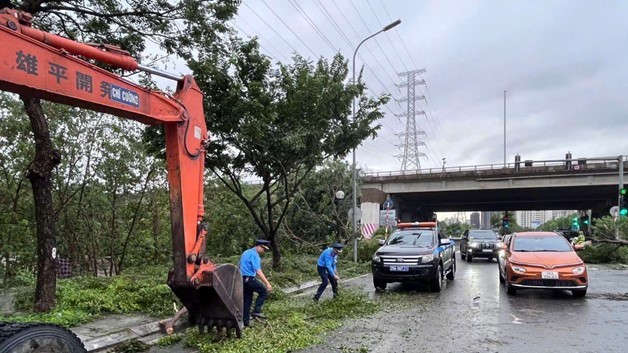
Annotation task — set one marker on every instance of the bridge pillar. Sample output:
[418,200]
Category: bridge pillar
[371,200]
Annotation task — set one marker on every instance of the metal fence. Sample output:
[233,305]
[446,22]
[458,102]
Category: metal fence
[572,164]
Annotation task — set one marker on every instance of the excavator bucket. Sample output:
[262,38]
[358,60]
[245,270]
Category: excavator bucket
[213,299]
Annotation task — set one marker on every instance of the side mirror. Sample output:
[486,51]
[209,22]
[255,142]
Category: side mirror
[444,242]
[381,242]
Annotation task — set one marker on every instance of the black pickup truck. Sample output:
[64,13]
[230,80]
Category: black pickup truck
[414,252]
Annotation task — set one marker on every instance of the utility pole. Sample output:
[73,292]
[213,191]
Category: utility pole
[504,128]
[411,155]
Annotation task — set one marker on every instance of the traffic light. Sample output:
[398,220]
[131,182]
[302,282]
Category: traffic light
[575,224]
[505,222]
[623,202]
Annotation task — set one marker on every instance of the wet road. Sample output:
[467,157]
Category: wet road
[473,313]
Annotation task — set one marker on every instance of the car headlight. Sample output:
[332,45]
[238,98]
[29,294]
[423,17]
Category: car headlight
[518,269]
[427,258]
[376,258]
[474,245]
[578,270]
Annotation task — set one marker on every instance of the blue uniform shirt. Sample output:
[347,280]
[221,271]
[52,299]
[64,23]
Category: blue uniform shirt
[328,260]
[250,262]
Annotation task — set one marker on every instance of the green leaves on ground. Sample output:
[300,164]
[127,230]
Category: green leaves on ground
[293,324]
[144,291]
[84,299]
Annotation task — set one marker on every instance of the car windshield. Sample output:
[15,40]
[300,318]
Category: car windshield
[484,234]
[541,244]
[419,238]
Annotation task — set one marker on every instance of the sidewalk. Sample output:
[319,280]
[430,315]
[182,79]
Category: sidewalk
[100,335]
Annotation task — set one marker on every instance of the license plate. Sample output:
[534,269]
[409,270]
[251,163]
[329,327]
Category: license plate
[487,250]
[549,275]
[399,268]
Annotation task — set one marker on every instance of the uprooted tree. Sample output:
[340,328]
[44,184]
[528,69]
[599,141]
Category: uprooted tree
[177,26]
[610,231]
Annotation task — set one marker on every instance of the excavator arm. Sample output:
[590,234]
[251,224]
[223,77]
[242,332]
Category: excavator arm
[42,65]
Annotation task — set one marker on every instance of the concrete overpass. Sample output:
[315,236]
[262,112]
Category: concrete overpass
[572,184]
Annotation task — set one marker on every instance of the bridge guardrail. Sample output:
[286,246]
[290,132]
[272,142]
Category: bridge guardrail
[564,164]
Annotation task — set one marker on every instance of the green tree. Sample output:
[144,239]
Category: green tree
[178,27]
[558,223]
[454,229]
[313,217]
[231,228]
[278,124]
[16,227]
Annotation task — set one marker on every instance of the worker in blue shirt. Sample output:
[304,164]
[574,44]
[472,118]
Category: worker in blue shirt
[251,268]
[326,268]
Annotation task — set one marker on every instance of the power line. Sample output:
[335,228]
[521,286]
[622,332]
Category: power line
[338,28]
[289,28]
[396,31]
[333,22]
[271,27]
[260,44]
[312,23]
[392,44]
[357,35]
[376,41]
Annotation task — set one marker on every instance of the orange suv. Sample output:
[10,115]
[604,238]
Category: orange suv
[542,260]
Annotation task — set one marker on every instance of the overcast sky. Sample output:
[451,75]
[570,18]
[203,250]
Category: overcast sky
[563,64]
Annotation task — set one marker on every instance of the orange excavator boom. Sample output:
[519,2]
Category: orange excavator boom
[42,65]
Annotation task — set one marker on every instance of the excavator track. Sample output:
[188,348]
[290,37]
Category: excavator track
[38,338]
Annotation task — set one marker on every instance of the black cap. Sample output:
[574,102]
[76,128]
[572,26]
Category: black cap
[337,246]
[263,242]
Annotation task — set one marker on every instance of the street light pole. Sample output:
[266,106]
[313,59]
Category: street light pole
[504,128]
[354,170]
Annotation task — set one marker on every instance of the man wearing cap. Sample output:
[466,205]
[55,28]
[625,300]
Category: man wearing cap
[251,268]
[327,269]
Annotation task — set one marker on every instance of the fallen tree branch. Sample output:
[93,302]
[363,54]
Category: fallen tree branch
[612,241]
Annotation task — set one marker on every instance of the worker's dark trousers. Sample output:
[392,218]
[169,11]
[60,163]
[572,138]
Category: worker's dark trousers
[327,278]
[252,285]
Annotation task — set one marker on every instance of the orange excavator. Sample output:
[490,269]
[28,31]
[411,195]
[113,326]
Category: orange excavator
[46,66]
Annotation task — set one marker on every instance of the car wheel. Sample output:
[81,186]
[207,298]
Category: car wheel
[452,274]
[379,284]
[437,282]
[469,258]
[579,293]
[510,289]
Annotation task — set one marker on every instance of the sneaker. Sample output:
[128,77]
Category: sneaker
[259,316]
[315,299]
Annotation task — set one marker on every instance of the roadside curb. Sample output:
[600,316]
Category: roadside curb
[316,284]
[151,332]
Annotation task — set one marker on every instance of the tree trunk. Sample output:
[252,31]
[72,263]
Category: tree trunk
[274,246]
[40,176]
